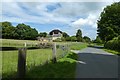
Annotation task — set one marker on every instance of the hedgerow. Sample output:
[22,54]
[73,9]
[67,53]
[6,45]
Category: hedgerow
[113,44]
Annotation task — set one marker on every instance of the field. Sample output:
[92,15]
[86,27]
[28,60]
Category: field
[36,59]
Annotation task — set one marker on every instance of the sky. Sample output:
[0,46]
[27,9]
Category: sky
[46,16]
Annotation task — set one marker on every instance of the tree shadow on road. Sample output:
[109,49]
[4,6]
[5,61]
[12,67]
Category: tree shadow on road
[94,65]
[98,47]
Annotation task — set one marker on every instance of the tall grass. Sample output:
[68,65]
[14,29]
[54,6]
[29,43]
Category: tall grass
[78,46]
[37,57]
[34,58]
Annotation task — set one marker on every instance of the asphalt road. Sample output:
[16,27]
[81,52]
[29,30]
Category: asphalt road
[96,63]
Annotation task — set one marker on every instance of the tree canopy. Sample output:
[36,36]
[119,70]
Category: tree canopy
[79,35]
[21,31]
[109,22]
[43,34]
[86,39]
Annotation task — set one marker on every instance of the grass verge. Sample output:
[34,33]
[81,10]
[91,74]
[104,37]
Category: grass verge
[64,68]
[112,51]
[78,46]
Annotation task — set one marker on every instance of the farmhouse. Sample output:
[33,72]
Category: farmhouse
[43,39]
[55,34]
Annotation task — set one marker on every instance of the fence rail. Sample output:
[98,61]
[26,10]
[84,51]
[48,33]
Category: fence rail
[58,51]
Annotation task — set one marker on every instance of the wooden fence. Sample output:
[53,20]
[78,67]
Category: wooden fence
[22,53]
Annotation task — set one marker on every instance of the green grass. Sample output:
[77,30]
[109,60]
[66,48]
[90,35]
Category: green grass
[17,43]
[34,58]
[78,46]
[95,44]
[64,68]
[112,51]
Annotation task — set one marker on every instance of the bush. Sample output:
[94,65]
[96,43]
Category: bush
[57,40]
[113,44]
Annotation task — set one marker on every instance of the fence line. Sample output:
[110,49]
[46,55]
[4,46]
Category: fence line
[22,57]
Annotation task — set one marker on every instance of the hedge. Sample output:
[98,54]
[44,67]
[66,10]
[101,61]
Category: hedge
[113,44]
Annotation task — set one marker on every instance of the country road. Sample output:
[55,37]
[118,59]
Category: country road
[96,63]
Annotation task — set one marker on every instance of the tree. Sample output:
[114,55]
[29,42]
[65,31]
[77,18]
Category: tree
[7,30]
[65,34]
[79,35]
[109,22]
[43,34]
[66,37]
[23,31]
[73,38]
[86,39]
[97,40]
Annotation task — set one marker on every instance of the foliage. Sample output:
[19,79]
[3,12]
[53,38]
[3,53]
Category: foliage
[21,31]
[65,35]
[86,39]
[97,40]
[113,44]
[43,34]
[7,30]
[79,35]
[109,22]
[57,40]
[25,32]
[73,38]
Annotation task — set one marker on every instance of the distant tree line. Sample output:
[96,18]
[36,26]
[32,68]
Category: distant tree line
[76,38]
[21,31]
[25,32]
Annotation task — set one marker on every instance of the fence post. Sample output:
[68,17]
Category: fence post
[25,44]
[21,62]
[54,53]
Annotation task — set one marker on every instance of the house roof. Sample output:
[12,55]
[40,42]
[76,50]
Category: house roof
[56,31]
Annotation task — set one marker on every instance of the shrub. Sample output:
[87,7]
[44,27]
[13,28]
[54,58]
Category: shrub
[113,44]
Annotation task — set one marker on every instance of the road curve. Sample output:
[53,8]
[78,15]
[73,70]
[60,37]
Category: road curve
[96,63]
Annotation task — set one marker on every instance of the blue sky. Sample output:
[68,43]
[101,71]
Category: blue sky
[46,16]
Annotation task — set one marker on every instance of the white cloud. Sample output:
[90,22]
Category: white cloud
[59,0]
[74,14]
[89,21]
[16,14]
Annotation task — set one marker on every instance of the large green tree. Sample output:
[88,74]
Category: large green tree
[7,30]
[79,35]
[25,32]
[109,22]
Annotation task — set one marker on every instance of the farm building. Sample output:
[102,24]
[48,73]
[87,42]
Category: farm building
[55,34]
[43,39]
